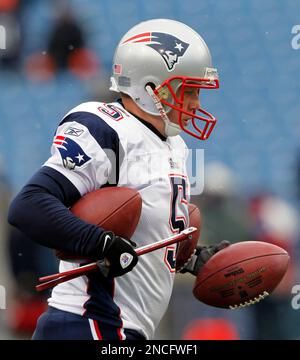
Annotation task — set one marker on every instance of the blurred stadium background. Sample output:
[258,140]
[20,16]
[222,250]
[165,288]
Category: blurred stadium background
[252,161]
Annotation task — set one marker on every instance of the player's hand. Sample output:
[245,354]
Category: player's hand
[119,252]
[202,255]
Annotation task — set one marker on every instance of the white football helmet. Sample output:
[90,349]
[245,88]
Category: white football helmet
[155,62]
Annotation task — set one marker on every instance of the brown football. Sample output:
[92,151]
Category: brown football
[113,208]
[187,247]
[240,275]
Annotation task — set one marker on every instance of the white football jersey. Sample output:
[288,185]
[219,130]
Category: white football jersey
[84,150]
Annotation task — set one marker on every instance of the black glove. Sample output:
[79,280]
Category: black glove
[202,255]
[119,252]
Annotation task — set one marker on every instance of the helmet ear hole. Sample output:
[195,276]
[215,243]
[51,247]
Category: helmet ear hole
[151,84]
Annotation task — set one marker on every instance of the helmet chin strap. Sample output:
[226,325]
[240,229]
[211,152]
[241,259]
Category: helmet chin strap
[171,129]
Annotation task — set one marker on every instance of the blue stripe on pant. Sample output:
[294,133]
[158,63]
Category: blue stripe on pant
[56,324]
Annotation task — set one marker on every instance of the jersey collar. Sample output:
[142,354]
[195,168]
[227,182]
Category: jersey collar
[146,123]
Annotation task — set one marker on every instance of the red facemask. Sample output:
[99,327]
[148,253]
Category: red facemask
[202,124]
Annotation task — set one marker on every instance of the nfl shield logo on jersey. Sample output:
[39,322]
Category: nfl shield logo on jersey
[71,153]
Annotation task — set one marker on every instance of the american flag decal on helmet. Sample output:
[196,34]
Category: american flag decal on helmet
[117,69]
[169,47]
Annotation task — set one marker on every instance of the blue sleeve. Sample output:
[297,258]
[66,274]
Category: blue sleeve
[41,212]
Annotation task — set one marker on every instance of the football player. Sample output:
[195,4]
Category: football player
[159,68]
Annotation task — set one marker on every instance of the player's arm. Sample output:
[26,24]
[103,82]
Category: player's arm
[41,211]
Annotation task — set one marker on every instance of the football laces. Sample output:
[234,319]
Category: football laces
[250,302]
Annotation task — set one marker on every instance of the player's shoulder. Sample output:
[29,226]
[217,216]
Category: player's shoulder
[85,111]
[95,113]
[112,116]
[106,122]
[86,120]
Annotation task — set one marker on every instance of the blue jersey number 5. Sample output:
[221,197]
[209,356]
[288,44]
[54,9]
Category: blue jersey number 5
[178,214]
[179,203]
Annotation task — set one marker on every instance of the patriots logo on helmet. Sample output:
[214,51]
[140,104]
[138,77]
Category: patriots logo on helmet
[168,46]
[71,153]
